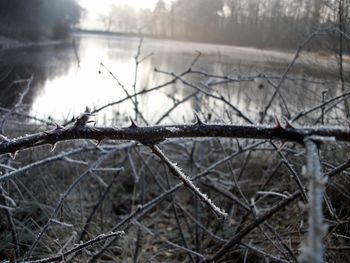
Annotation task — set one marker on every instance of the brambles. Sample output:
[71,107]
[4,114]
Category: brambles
[108,179]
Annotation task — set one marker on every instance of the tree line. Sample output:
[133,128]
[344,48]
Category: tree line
[38,19]
[267,23]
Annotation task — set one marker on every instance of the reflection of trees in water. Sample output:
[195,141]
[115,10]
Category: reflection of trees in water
[45,63]
[252,90]
[250,96]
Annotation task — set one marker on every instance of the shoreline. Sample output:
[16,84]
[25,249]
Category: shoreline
[7,43]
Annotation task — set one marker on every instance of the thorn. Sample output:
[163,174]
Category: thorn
[239,145]
[53,146]
[277,123]
[58,126]
[98,142]
[198,120]
[13,154]
[288,124]
[209,116]
[133,123]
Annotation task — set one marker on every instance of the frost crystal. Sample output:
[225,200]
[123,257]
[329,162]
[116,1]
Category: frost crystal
[173,129]
[188,183]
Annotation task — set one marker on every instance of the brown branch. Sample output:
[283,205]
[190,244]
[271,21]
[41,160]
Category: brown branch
[154,134]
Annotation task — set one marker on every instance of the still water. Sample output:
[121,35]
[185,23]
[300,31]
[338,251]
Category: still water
[69,76]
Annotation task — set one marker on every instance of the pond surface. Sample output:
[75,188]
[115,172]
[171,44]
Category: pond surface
[69,76]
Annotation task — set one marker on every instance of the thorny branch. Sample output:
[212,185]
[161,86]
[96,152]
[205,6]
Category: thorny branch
[154,134]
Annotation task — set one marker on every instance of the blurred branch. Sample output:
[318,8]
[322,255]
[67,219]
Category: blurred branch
[314,251]
[18,104]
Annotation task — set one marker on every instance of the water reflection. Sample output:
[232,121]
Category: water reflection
[70,77]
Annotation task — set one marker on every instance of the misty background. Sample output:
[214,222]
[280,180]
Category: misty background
[265,24]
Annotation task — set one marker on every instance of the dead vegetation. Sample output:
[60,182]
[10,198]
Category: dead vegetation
[116,199]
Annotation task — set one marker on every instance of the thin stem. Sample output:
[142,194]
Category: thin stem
[175,170]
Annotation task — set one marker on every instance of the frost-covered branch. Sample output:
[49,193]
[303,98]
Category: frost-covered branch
[175,170]
[80,247]
[313,251]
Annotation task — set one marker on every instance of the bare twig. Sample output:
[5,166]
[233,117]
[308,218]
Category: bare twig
[175,170]
[284,75]
[12,225]
[132,98]
[292,172]
[246,230]
[65,195]
[80,247]
[18,104]
[24,169]
[217,97]
[142,210]
[342,96]
[98,205]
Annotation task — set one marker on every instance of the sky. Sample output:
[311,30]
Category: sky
[96,8]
